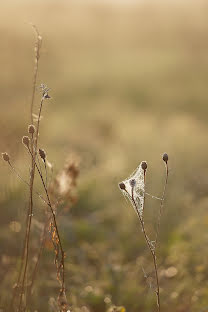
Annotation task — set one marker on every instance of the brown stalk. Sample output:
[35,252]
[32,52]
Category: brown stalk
[55,225]
[37,57]
[162,203]
[149,245]
[25,251]
[30,210]
[43,237]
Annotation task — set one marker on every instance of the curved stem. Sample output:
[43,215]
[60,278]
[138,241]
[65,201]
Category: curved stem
[161,204]
[151,249]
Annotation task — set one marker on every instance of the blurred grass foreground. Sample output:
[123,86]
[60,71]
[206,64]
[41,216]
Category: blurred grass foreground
[128,82]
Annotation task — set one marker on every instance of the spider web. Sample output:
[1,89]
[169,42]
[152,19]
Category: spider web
[138,190]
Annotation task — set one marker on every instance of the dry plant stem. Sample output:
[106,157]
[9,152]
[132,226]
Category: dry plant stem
[56,228]
[30,210]
[55,225]
[37,57]
[25,251]
[161,204]
[46,173]
[150,247]
[43,238]
[25,245]
[28,231]
[20,271]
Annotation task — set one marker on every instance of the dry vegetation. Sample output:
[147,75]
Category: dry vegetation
[127,83]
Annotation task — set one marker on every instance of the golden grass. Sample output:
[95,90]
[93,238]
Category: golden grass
[128,83]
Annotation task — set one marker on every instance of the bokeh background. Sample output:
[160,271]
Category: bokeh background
[129,81]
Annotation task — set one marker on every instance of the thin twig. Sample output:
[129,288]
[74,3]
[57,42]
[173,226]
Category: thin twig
[37,57]
[54,222]
[30,210]
[162,203]
[25,251]
[149,245]
[43,238]
[151,251]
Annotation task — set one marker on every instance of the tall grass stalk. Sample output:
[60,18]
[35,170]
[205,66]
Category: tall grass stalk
[135,189]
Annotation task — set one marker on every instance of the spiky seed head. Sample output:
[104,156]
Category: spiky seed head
[31,129]
[144,165]
[26,141]
[42,154]
[5,157]
[122,186]
[132,182]
[165,157]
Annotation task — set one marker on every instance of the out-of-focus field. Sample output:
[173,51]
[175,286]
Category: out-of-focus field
[128,82]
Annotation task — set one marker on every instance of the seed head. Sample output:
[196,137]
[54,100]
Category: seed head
[165,157]
[122,186]
[132,182]
[144,165]
[42,154]
[5,157]
[31,129]
[26,141]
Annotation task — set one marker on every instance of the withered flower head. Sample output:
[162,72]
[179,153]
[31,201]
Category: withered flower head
[144,165]
[31,129]
[42,154]
[5,157]
[122,186]
[26,141]
[165,157]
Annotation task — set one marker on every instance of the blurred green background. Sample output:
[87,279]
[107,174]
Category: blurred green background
[128,82]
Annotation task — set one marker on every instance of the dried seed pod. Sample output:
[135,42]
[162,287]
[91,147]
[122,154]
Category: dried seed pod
[5,157]
[31,129]
[42,154]
[165,157]
[122,186]
[26,141]
[144,165]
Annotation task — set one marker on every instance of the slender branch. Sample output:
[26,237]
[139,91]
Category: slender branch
[150,247]
[54,222]
[21,267]
[30,210]
[25,251]
[37,57]
[43,238]
[162,204]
